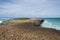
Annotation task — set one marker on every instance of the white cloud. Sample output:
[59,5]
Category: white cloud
[42,8]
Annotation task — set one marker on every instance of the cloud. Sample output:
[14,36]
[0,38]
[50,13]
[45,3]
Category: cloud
[27,8]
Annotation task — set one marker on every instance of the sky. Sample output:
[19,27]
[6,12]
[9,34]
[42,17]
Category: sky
[30,8]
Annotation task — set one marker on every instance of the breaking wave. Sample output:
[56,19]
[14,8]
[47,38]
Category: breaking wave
[1,21]
[47,24]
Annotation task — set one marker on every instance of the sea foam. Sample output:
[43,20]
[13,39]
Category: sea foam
[47,24]
[1,21]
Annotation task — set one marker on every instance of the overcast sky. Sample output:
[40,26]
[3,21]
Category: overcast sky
[29,8]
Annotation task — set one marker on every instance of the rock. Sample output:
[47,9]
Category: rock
[32,22]
[24,30]
[37,22]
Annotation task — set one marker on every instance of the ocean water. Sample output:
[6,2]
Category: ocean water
[48,22]
[51,23]
[4,19]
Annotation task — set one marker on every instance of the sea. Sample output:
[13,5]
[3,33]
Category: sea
[53,23]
